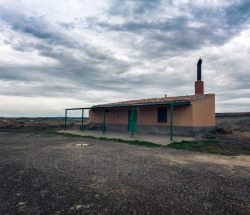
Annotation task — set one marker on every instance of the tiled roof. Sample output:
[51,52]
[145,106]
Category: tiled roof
[153,101]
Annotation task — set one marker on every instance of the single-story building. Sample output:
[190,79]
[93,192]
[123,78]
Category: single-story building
[189,115]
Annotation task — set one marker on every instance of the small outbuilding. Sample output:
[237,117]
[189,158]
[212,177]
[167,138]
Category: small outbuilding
[189,115]
[182,115]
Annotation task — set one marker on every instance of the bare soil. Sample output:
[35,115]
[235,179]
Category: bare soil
[43,173]
[234,122]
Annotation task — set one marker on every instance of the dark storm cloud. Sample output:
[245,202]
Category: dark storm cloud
[35,26]
[131,7]
[176,35]
[168,38]
[238,13]
[83,72]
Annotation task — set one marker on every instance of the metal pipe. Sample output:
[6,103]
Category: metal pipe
[132,122]
[171,123]
[87,108]
[199,70]
[104,121]
[65,120]
[82,119]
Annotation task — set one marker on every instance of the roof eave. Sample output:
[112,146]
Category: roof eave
[179,103]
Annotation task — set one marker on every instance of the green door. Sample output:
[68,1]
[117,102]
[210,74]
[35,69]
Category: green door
[132,121]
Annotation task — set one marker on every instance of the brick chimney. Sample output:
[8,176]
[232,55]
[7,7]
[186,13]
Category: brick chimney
[199,85]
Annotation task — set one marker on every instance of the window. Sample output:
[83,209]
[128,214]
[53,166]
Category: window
[162,115]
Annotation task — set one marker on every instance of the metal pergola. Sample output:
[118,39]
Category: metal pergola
[66,116]
[105,107]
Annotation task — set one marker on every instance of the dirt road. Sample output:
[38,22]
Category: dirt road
[51,174]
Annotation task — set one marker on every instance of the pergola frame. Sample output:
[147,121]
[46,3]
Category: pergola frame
[66,116]
[105,107]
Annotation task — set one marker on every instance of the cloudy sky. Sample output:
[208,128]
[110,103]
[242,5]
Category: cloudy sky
[57,54]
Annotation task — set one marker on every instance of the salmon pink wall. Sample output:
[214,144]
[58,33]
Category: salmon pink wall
[204,111]
[200,113]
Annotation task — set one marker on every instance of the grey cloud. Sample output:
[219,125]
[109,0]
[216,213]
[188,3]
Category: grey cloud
[131,7]
[30,25]
[102,71]
[83,71]
[8,73]
[238,13]
[36,26]
[174,35]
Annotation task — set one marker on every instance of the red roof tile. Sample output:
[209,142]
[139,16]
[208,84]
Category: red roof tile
[153,101]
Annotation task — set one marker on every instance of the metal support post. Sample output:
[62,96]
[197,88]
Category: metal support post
[171,123]
[65,120]
[82,119]
[104,121]
[132,122]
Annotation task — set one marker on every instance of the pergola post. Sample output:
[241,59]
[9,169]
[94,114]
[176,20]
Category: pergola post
[171,123]
[82,119]
[132,122]
[65,120]
[71,109]
[104,121]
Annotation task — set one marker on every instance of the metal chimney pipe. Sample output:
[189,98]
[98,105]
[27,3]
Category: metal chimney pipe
[199,85]
[199,69]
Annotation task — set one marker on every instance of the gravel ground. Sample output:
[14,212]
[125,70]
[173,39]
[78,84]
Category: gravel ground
[50,174]
[234,122]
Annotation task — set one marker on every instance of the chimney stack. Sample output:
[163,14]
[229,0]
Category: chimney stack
[199,85]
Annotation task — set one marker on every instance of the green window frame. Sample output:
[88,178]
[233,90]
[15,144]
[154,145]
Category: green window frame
[162,115]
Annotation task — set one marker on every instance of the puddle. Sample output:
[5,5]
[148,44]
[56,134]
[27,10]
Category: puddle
[78,144]
[81,144]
